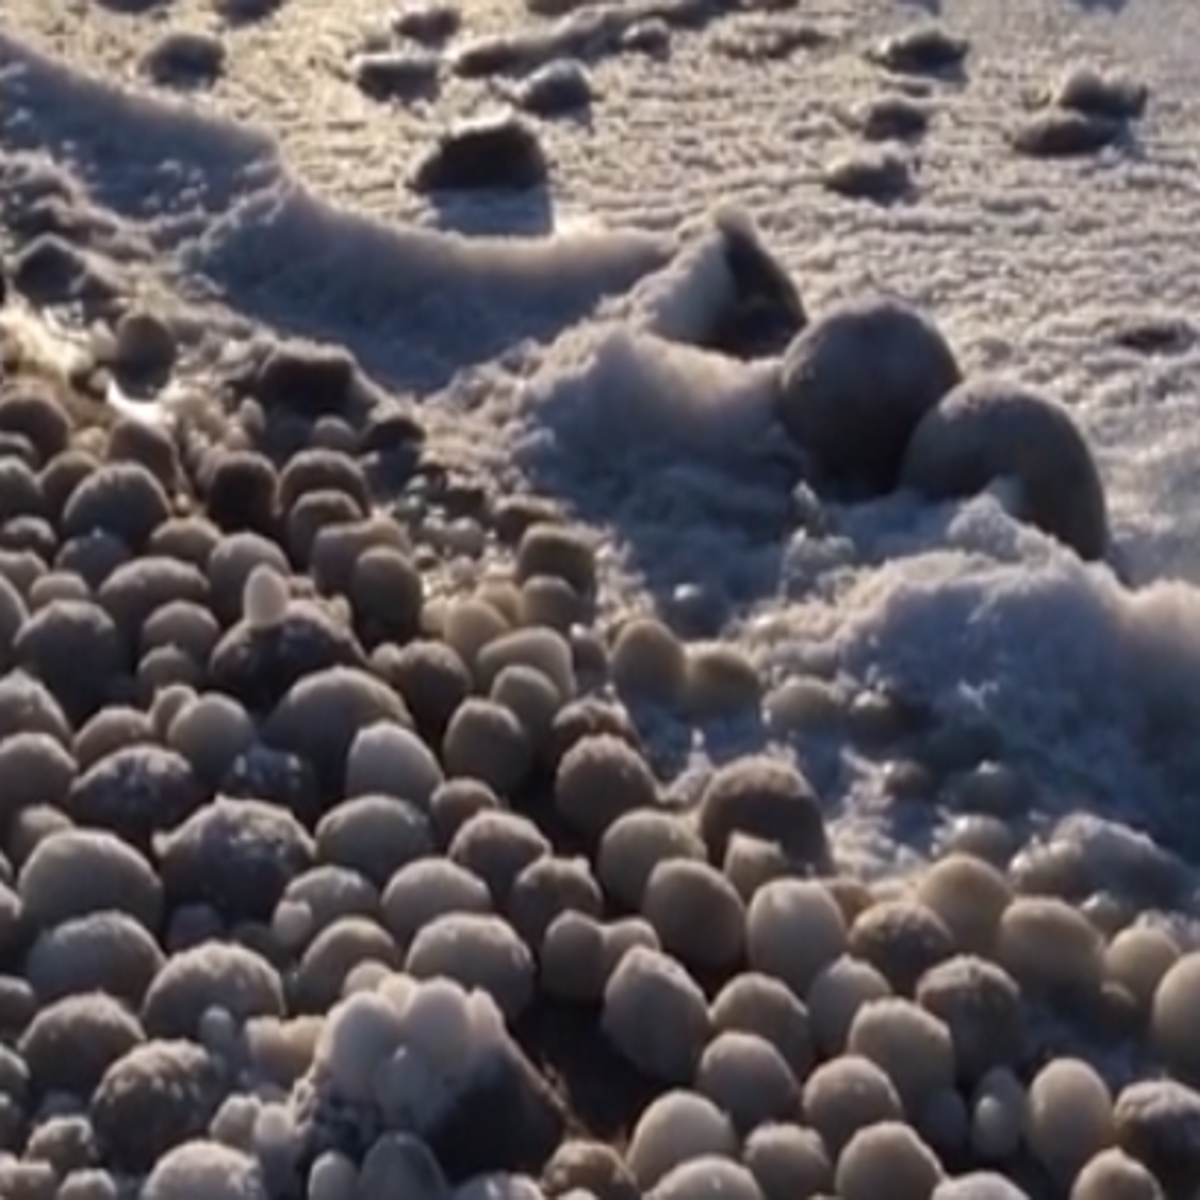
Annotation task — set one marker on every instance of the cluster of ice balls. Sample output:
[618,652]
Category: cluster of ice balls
[405,1044]
[271,859]
[394,1054]
[835,1065]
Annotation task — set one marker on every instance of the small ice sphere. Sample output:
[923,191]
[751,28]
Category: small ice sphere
[332,1176]
[264,597]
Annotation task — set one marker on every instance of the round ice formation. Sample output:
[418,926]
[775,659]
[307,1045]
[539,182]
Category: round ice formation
[66,1142]
[401,1165]
[599,780]
[747,1078]
[696,913]
[1158,1123]
[551,602]
[386,593]
[36,770]
[912,1047]
[1069,1118]
[531,697]
[210,733]
[75,648]
[1174,1000]
[329,893]
[467,626]
[120,498]
[845,1095]
[485,741]
[1113,1175]
[89,1183]
[970,898]
[239,856]
[390,760]
[477,951]
[332,1176]
[374,835]
[656,1015]
[751,863]
[209,975]
[788,1162]
[768,799]
[674,1129]
[590,1168]
[103,951]
[265,597]
[793,930]
[205,1171]
[887,1159]
[634,845]
[33,414]
[981,1007]
[69,1044]
[998,1116]
[80,871]
[902,939]
[979,1185]
[721,681]
[546,889]
[1047,945]
[559,552]
[241,491]
[990,429]
[185,624]
[871,364]
[706,1179]
[155,1097]
[332,955]
[574,957]
[1138,959]
[421,892]
[760,1005]
[648,660]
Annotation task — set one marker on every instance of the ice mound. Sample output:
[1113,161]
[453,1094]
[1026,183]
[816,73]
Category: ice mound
[430,1060]
[456,300]
[987,620]
[646,376]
